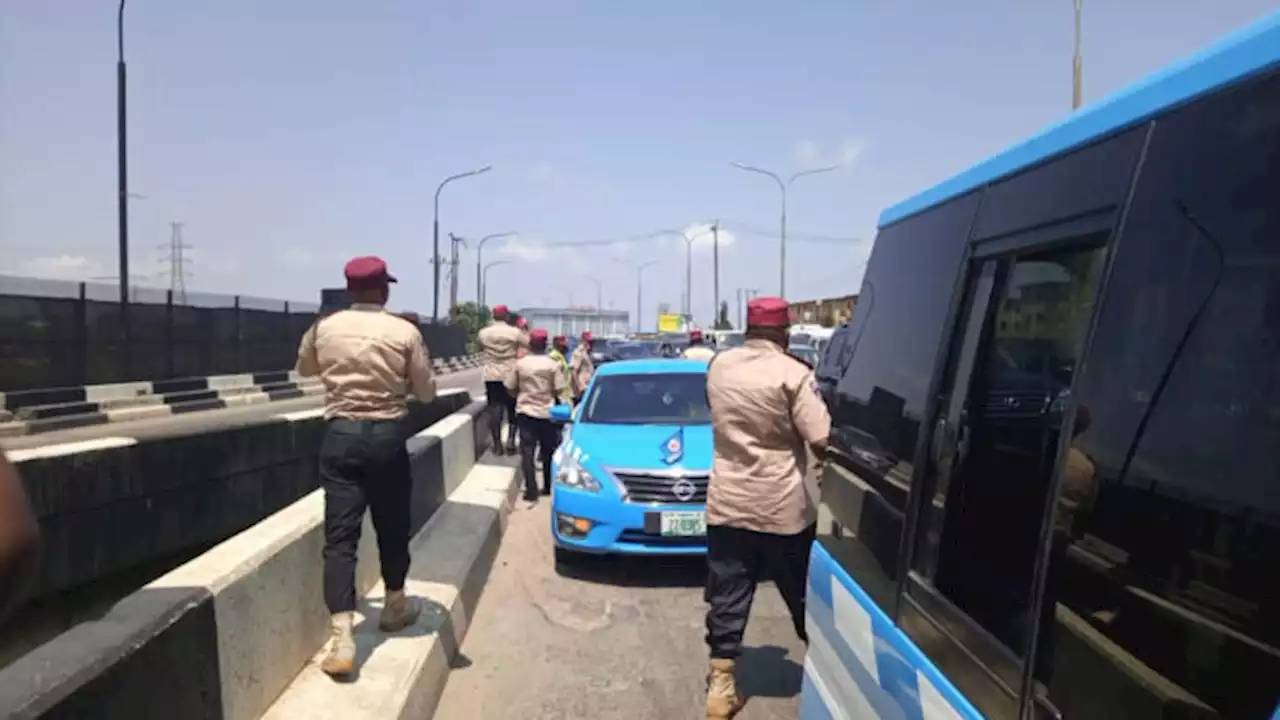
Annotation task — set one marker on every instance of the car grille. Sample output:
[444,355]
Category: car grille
[659,488]
[641,537]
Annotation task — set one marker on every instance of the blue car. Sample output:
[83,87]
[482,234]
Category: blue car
[631,474]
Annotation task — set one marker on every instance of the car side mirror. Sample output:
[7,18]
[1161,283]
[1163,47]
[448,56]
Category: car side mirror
[561,413]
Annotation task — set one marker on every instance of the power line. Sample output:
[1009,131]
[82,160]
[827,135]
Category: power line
[177,260]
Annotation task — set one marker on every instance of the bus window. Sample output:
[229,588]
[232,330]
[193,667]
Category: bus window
[1163,597]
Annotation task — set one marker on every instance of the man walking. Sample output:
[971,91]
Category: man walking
[581,368]
[368,360]
[765,409]
[500,342]
[696,350]
[537,383]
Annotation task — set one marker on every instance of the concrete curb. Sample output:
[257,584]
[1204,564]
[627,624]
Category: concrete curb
[404,675]
[38,411]
[223,635]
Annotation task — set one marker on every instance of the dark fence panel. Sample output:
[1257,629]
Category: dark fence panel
[63,334]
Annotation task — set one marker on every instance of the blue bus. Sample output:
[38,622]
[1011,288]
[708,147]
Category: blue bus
[1054,488]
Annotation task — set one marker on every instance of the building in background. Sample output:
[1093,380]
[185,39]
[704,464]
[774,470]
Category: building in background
[573,320]
[827,312]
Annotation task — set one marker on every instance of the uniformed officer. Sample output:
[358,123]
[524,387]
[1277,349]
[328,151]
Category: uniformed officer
[523,326]
[538,383]
[581,368]
[501,343]
[696,350]
[368,360]
[765,410]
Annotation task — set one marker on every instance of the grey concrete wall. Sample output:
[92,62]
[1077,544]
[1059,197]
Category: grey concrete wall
[222,635]
[106,510]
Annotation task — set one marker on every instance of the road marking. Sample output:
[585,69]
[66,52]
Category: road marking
[69,448]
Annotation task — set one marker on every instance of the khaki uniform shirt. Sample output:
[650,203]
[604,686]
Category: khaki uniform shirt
[698,352]
[368,361]
[538,383]
[765,409]
[580,370]
[500,344]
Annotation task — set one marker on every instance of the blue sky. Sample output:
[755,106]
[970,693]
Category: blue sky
[290,135]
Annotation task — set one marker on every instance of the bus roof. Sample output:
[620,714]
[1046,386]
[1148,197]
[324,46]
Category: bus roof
[1249,51]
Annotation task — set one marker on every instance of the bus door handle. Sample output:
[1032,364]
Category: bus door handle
[1047,709]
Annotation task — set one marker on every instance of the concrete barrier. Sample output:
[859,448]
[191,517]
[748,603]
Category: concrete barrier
[223,635]
[112,503]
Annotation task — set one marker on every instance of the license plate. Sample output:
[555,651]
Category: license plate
[684,524]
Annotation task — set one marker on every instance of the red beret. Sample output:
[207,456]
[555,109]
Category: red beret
[695,334]
[558,339]
[500,311]
[522,323]
[537,335]
[768,312]
[367,273]
[586,335]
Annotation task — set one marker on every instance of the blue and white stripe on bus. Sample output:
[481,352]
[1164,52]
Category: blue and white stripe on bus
[859,665]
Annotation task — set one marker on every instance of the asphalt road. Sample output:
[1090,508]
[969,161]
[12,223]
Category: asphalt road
[201,421]
[620,640]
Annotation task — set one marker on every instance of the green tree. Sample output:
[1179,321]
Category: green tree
[722,318]
[473,317]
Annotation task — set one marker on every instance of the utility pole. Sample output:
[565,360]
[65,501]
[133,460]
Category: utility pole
[1077,64]
[122,168]
[454,242]
[177,263]
[715,271]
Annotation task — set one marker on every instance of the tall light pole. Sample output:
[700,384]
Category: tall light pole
[484,278]
[479,260]
[435,239]
[121,164]
[688,264]
[1077,63]
[784,187]
[639,268]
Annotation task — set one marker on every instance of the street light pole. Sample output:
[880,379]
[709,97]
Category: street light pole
[783,187]
[121,163]
[688,265]
[479,259]
[484,278]
[1077,63]
[435,239]
[639,268]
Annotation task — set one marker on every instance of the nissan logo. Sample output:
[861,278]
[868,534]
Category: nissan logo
[684,490]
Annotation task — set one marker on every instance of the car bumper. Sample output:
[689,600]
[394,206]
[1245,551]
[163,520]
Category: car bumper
[617,527]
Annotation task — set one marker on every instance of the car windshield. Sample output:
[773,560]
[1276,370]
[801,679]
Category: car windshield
[649,399]
[731,340]
[805,352]
[630,351]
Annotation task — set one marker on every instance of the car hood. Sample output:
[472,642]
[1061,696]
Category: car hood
[642,447]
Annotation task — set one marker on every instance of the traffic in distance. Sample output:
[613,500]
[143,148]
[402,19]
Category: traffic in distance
[1051,487]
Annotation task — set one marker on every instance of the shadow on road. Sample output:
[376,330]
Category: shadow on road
[766,671]
[635,571]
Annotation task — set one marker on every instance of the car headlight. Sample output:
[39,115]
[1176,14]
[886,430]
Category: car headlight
[572,474]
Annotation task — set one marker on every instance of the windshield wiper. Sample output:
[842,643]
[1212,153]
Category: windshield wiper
[1192,324]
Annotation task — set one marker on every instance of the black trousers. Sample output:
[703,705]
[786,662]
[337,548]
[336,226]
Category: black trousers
[543,435]
[737,559]
[502,404]
[363,463]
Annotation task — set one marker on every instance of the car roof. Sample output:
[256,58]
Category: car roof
[652,366]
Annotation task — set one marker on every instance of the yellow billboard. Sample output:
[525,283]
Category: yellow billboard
[670,323]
